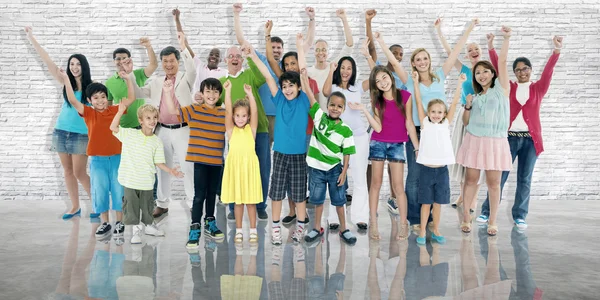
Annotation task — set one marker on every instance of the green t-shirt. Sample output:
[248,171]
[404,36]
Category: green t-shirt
[254,78]
[117,90]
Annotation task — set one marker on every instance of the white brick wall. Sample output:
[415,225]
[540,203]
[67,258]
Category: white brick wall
[30,100]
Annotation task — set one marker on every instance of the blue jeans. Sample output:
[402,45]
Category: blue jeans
[412,184]
[523,148]
[263,152]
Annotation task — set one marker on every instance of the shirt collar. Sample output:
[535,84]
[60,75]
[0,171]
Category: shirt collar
[236,75]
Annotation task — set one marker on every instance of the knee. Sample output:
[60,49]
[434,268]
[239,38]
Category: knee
[492,183]
[80,174]
[471,180]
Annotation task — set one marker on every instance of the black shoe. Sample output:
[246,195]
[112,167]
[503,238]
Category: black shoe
[348,237]
[193,237]
[333,226]
[262,215]
[103,230]
[119,228]
[362,226]
[210,228]
[348,199]
[288,220]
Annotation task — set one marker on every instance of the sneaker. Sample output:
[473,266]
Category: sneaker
[348,237]
[137,235]
[193,236]
[276,236]
[333,226]
[482,219]
[262,215]
[313,235]
[421,240]
[298,234]
[521,224]
[392,206]
[288,220]
[153,230]
[103,230]
[348,199]
[211,229]
[195,260]
[210,245]
[231,216]
[119,228]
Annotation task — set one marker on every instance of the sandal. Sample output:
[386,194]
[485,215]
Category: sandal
[492,230]
[373,232]
[239,237]
[404,232]
[465,227]
[253,237]
[457,203]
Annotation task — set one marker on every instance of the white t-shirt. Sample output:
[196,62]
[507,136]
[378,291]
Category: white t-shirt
[435,147]
[522,96]
[321,75]
[203,72]
[351,117]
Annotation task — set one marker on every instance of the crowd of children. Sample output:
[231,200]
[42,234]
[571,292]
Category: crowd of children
[318,130]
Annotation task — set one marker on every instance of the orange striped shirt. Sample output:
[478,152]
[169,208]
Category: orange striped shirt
[207,133]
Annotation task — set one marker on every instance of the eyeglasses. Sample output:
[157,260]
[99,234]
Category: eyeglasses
[121,58]
[231,56]
[523,70]
[319,50]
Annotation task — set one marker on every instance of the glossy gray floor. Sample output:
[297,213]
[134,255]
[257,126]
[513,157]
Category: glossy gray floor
[44,257]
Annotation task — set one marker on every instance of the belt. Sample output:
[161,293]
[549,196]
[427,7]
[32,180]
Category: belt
[524,134]
[174,126]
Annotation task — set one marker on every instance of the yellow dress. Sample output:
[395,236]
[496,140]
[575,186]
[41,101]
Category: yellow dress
[241,176]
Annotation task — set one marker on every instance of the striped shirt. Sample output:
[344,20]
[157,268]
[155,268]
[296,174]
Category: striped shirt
[139,156]
[330,141]
[207,133]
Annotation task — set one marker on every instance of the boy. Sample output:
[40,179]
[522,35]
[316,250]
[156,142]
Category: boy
[142,153]
[205,150]
[104,151]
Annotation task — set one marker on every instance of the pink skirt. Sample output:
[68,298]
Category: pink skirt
[485,153]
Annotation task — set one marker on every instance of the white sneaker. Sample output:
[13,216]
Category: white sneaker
[276,236]
[136,238]
[521,224]
[153,230]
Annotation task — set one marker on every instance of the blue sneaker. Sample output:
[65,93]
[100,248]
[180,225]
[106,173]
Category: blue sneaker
[69,216]
[421,240]
[521,224]
[392,206]
[211,229]
[482,219]
[194,236]
[438,238]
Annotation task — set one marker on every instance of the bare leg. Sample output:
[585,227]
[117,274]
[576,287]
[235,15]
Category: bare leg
[119,215]
[292,208]
[318,215]
[397,170]
[341,212]
[376,181]
[300,210]
[276,210]
[70,181]
[238,211]
[80,172]
[425,209]
[437,211]
[251,215]
[104,217]
[474,201]
[471,178]
[392,190]
[493,184]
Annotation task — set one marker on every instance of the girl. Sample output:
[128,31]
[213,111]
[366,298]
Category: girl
[431,86]
[70,136]
[392,130]
[485,146]
[434,154]
[457,172]
[342,78]
[241,176]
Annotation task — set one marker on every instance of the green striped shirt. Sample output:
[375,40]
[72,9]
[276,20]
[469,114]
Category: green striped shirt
[139,155]
[330,141]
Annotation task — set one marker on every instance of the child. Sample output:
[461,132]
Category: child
[393,128]
[103,149]
[241,176]
[434,154]
[205,150]
[331,141]
[142,153]
[289,157]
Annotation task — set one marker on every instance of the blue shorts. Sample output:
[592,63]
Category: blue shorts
[321,180]
[382,151]
[69,142]
[104,172]
[105,268]
[434,185]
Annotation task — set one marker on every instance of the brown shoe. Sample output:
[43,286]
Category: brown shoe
[159,211]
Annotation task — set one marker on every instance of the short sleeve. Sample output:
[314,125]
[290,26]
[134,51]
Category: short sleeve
[348,145]
[256,76]
[440,73]
[465,70]
[316,113]
[184,113]
[405,96]
[88,112]
[304,101]
[159,153]
[140,77]
[122,134]
[278,98]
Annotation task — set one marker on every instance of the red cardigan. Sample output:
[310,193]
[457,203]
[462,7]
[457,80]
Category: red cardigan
[531,109]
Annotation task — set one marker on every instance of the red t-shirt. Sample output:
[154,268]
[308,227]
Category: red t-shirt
[315,89]
[101,141]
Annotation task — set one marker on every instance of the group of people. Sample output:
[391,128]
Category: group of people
[312,118]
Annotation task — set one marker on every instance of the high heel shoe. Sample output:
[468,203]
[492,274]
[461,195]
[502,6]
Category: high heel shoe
[69,216]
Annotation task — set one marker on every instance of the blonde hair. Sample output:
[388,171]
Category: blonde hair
[242,103]
[412,59]
[437,101]
[146,109]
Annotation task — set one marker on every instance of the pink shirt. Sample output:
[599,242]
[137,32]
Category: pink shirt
[393,125]
[164,116]
[203,72]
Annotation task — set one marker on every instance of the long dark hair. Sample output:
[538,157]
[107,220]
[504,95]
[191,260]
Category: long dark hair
[288,54]
[86,77]
[337,76]
[487,65]
[377,100]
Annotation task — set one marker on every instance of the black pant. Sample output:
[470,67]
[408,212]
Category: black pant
[207,180]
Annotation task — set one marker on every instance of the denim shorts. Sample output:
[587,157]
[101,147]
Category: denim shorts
[434,185]
[69,142]
[104,181]
[382,151]
[321,180]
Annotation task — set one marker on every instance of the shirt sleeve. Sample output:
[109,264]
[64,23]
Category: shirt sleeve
[122,134]
[184,113]
[316,113]
[140,77]
[440,73]
[257,79]
[159,154]
[348,145]
[278,98]
[314,86]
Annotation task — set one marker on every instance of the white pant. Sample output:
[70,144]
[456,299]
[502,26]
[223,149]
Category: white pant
[359,210]
[175,142]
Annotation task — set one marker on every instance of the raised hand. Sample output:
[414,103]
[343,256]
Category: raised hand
[557,40]
[63,76]
[124,75]
[415,76]
[437,23]
[333,66]
[299,39]
[237,8]
[364,48]
[268,27]
[340,13]
[29,31]
[127,65]
[506,31]
[122,106]
[310,12]
[475,21]
[490,37]
[356,105]
[176,13]
[227,86]
[248,89]
[378,36]
[145,42]
[462,78]
[167,86]
[198,98]
[246,50]
[370,14]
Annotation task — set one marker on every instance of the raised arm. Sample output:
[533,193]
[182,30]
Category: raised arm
[341,13]
[306,86]
[250,54]
[114,125]
[167,91]
[544,82]
[502,68]
[457,94]
[417,96]
[402,74]
[491,50]
[452,57]
[130,88]
[374,120]
[152,63]
[310,35]
[410,124]
[239,33]
[369,15]
[438,28]
[188,61]
[365,50]
[269,50]
[467,113]
[52,67]
[301,53]
[176,14]
[328,82]
[70,93]
[228,108]
[253,109]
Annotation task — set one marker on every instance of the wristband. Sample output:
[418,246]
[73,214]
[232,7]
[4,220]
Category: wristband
[415,150]
[557,48]
[311,19]
[469,108]
[267,36]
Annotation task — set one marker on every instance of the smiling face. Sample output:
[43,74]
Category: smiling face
[214,56]
[148,120]
[119,57]
[421,61]
[75,67]
[170,64]
[346,71]
[277,50]
[241,116]
[321,51]
[398,52]
[99,101]
[383,81]
[289,90]
[522,72]
[335,107]
[483,76]
[473,53]
[437,112]
[210,96]
[290,63]
[234,60]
